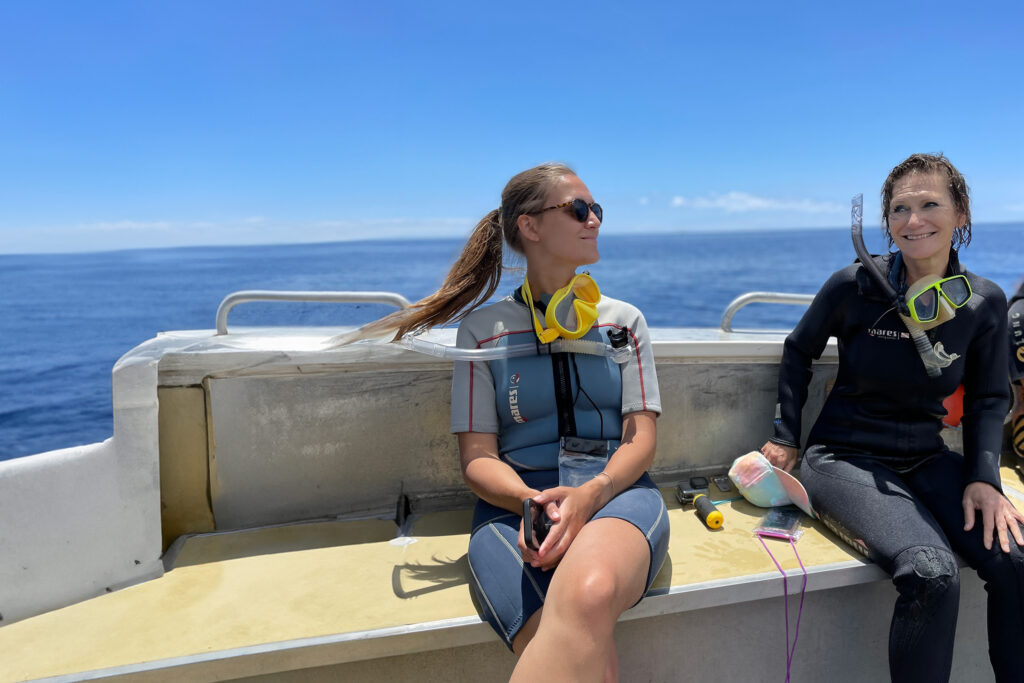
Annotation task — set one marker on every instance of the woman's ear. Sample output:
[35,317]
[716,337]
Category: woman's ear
[528,228]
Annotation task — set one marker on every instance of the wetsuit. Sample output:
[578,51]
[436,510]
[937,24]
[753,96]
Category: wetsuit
[530,402]
[879,474]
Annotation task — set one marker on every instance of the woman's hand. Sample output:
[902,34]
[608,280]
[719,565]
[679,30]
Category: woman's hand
[569,508]
[997,513]
[529,553]
[783,457]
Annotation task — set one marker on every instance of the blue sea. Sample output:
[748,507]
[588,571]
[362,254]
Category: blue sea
[65,319]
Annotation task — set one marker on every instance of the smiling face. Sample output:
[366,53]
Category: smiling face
[922,217]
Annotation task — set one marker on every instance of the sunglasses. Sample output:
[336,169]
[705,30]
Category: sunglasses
[924,306]
[580,209]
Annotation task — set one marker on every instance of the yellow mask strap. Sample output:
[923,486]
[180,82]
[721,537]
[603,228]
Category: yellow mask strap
[545,336]
[586,297]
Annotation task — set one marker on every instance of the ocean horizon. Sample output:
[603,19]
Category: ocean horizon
[67,317]
[462,235]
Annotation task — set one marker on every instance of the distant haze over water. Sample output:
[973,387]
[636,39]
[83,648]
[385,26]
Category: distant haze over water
[65,319]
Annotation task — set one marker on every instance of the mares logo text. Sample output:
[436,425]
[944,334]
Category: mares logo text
[887,334]
[513,399]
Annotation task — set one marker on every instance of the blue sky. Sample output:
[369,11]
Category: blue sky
[138,124]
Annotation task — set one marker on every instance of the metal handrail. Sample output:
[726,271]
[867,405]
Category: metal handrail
[235,298]
[764,298]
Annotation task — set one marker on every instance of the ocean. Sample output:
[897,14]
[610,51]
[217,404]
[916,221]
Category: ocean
[66,318]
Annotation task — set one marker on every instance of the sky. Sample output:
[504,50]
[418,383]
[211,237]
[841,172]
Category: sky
[152,124]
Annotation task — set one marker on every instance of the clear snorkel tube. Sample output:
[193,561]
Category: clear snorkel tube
[584,346]
[618,349]
[934,358]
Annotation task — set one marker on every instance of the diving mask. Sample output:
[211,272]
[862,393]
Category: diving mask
[933,300]
[580,297]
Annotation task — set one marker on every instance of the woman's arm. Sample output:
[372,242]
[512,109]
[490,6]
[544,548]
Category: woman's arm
[495,481]
[986,391]
[634,456]
[986,400]
[804,344]
[489,477]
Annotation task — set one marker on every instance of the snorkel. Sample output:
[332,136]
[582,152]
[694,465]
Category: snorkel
[934,358]
[587,347]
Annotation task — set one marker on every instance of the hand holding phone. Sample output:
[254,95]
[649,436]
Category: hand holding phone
[535,523]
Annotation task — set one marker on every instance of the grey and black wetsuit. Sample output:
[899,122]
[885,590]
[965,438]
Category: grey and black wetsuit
[879,473]
[530,402]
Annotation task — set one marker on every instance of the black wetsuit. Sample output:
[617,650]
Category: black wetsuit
[879,474]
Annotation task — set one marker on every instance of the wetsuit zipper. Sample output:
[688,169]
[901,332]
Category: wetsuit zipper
[562,377]
[563,394]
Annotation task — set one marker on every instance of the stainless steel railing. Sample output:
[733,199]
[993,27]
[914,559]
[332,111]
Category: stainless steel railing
[761,297]
[399,301]
[235,298]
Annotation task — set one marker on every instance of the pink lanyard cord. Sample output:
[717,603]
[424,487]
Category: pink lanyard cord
[785,593]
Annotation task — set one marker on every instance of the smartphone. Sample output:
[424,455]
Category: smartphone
[535,523]
[781,522]
[722,482]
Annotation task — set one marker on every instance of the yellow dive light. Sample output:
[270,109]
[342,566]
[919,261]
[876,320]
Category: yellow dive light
[583,294]
[707,511]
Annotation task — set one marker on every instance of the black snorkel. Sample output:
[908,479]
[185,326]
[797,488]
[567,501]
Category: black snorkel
[924,346]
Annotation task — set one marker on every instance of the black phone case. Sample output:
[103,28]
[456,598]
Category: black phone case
[534,530]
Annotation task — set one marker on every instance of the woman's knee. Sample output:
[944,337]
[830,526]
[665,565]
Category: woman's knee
[593,593]
[927,576]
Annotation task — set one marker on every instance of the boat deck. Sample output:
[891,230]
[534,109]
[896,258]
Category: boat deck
[248,603]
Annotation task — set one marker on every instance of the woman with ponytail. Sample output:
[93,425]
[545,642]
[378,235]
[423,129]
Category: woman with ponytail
[519,420]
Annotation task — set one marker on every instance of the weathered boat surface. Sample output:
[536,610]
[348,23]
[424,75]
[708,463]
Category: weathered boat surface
[270,510]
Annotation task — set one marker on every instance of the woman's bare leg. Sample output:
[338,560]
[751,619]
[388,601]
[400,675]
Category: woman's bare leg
[602,574]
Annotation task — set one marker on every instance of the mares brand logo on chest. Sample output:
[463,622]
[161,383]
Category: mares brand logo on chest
[513,399]
[888,334]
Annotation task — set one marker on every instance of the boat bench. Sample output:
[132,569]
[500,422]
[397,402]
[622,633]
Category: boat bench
[315,527]
[356,600]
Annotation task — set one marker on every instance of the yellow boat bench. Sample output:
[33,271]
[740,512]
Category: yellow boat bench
[241,525]
[242,603]
[353,600]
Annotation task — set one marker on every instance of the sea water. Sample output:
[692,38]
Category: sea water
[65,319]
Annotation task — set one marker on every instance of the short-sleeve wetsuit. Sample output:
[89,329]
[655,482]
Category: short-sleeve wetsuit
[878,472]
[530,402]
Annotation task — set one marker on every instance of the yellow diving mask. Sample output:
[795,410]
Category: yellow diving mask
[933,300]
[580,296]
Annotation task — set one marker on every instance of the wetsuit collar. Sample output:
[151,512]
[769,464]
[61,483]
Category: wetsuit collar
[541,304]
[898,274]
